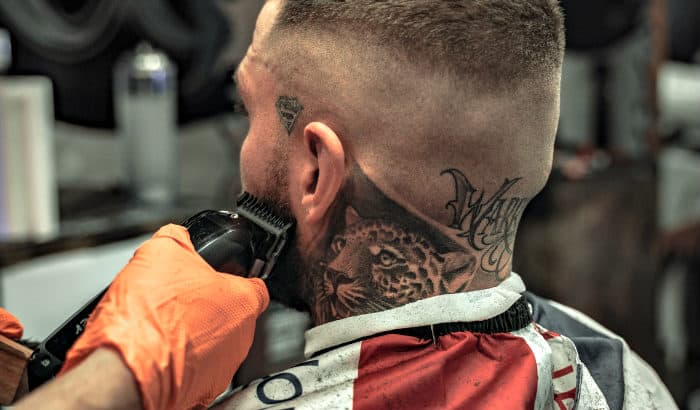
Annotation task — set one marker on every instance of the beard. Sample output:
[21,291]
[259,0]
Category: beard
[287,278]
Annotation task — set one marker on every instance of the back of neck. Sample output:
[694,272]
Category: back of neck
[377,255]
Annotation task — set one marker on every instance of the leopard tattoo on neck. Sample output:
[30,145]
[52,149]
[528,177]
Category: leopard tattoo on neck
[373,265]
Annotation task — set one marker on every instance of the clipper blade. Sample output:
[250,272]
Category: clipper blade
[260,213]
[274,232]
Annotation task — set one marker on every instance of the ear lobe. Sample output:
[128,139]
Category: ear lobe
[325,173]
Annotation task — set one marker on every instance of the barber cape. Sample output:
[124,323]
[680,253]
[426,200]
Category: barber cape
[557,359]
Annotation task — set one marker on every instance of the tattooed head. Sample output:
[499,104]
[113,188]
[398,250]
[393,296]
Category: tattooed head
[407,156]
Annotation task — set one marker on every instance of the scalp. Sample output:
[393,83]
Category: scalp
[416,87]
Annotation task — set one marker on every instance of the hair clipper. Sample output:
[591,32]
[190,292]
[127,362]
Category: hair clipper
[244,243]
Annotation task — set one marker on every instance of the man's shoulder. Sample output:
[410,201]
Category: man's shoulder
[621,374]
[563,350]
[566,320]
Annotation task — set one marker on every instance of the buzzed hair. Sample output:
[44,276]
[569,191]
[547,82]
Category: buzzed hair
[499,43]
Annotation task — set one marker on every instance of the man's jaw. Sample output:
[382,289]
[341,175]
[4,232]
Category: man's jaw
[285,282]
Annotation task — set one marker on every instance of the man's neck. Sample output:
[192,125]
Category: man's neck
[378,256]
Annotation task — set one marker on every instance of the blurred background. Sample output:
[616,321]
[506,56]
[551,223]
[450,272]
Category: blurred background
[118,116]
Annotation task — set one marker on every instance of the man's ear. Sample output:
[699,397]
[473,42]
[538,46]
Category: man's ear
[323,172]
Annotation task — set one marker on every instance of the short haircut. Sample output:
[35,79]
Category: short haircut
[498,43]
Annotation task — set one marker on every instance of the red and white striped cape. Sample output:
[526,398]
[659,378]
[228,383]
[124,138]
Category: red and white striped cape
[561,360]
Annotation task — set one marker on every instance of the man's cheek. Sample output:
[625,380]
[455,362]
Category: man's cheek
[251,167]
[244,165]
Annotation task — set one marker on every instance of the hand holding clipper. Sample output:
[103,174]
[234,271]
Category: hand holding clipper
[180,327]
[171,310]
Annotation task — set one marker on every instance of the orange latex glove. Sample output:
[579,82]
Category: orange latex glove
[182,328]
[9,325]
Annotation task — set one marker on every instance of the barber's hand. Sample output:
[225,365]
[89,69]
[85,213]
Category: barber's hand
[182,328]
[10,326]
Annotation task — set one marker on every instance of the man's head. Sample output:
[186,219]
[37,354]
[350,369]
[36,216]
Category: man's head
[404,136]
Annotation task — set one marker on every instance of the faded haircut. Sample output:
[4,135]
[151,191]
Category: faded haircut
[498,43]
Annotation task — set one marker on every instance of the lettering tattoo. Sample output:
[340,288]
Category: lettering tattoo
[488,225]
[288,108]
[381,257]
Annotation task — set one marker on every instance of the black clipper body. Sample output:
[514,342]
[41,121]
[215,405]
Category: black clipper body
[244,243]
[223,239]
